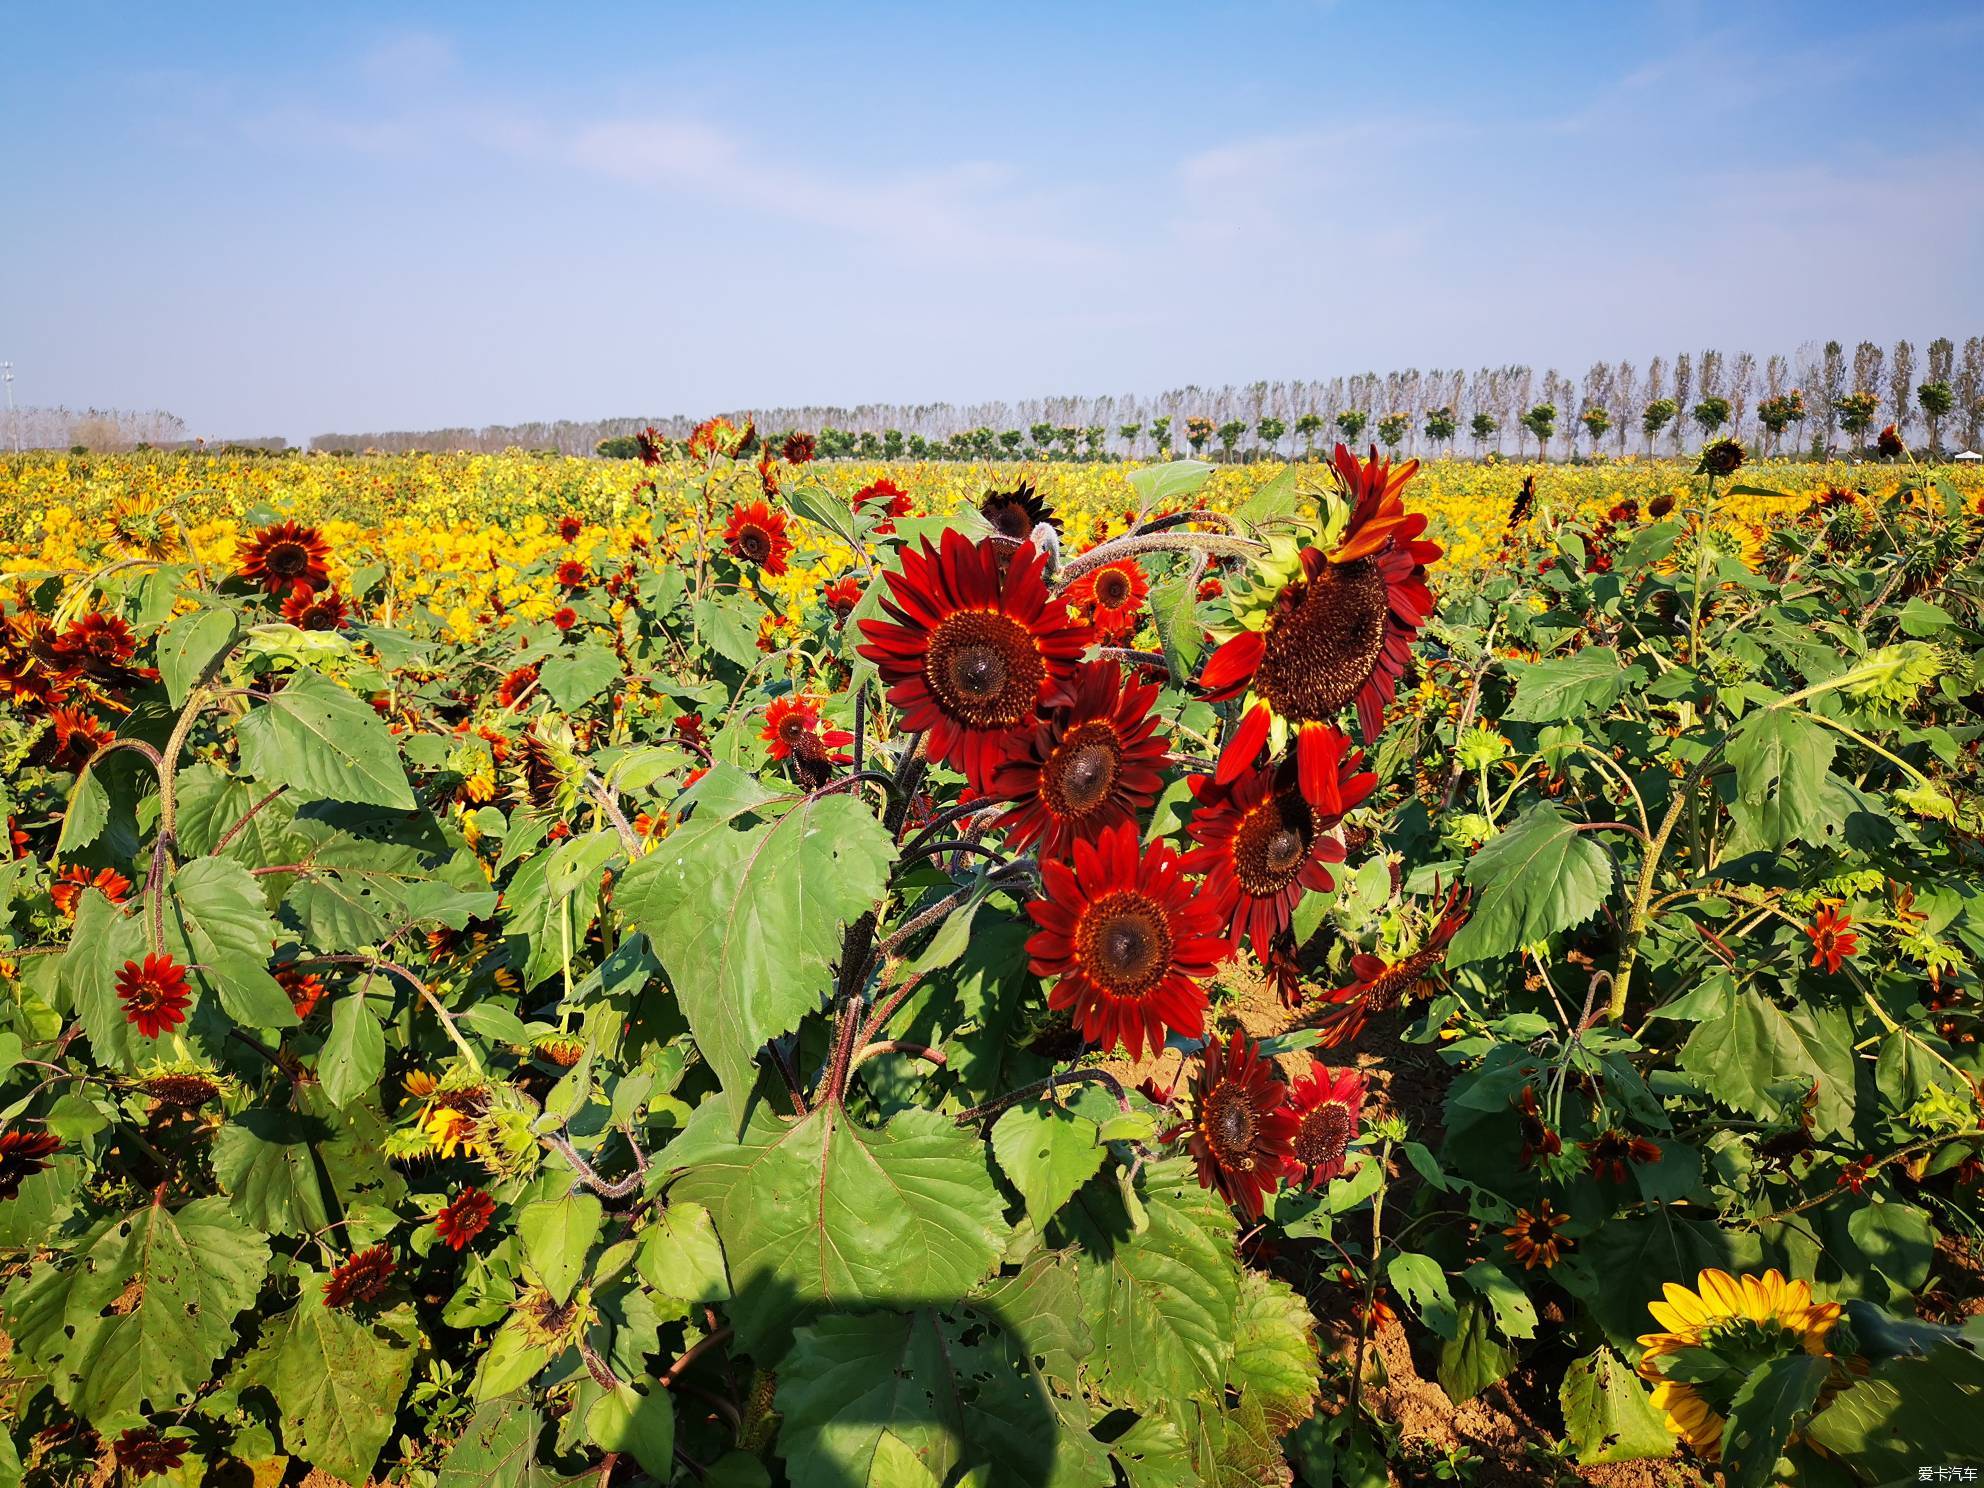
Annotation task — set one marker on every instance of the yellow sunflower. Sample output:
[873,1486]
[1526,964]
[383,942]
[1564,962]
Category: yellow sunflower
[1723,1331]
[449,1112]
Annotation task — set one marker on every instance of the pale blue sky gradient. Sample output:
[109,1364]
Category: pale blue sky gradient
[280,219]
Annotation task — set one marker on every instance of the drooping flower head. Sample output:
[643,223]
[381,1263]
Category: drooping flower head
[1130,938]
[464,1217]
[756,534]
[1717,1336]
[842,595]
[1242,1130]
[1111,597]
[1015,513]
[969,653]
[281,556]
[1328,1105]
[719,436]
[516,685]
[1382,985]
[1263,844]
[363,1278]
[22,1155]
[1833,939]
[1326,626]
[154,994]
[1086,765]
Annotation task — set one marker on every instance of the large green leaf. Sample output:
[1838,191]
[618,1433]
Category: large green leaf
[353,1057]
[499,1448]
[337,1378]
[325,743]
[188,646]
[1781,759]
[1274,1350]
[1473,1359]
[824,1213]
[1607,1414]
[578,674]
[102,941]
[1540,876]
[1161,1300]
[1917,1409]
[641,1425]
[263,1161]
[1418,1278]
[190,1273]
[749,922]
[1767,1408]
[1047,1152]
[1756,1044]
[217,926]
[557,1235]
[1567,687]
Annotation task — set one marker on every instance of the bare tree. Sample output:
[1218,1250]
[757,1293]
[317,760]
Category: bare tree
[1684,381]
[1742,384]
[1901,385]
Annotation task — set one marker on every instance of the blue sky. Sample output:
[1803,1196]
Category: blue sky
[277,219]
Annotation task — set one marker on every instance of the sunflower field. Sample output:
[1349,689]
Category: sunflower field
[745,970]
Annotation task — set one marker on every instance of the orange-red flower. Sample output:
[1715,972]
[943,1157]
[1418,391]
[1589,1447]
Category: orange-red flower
[305,989]
[314,609]
[792,726]
[1337,633]
[890,499]
[71,881]
[1833,939]
[718,436]
[363,1278]
[1129,938]
[572,574]
[464,1217]
[1262,845]
[799,447]
[1085,766]
[1327,1105]
[972,647]
[154,994]
[756,534]
[74,736]
[1242,1132]
[842,595]
[98,646]
[1110,598]
[515,685]
[565,618]
[284,555]
[569,527]
[22,1155]
[1533,1238]
[1612,1150]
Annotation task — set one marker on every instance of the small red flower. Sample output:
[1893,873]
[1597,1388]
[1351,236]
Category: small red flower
[1612,1150]
[464,1217]
[516,685]
[1111,597]
[885,497]
[569,527]
[22,1155]
[798,448]
[305,989]
[284,555]
[1382,985]
[572,574]
[1129,938]
[565,618]
[842,595]
[1211,588]
[142,1453]
[74,737]
[1243,1132]
[314,609]
[1855,1174]
[363,1278]
[972,647]
[1833,941]
[70,883]
[1538,1138]
[792,726]
[154,994]
[756,534]
[1327,1107]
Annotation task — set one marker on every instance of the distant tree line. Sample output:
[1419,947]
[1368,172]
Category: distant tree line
[102,429]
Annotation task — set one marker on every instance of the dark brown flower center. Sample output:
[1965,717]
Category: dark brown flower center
[1272,844]
[1079,775]
[1112,588]
[753,544]
[984,670]
[792,728]
[1324,1136]
[1124,942]
[1008,518]
[287,560]
[1230,1124]
[1324,640]
[1394,984]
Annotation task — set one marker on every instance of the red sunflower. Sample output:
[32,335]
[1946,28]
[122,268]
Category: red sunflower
[71,881]
[565,618]
[1015,513]
[74,736]
[1833,938]
[885,496]
[569,527]
[22,1155]
[363,1278]
[464,1217]
[842,595]
[1087,765]
[1320,631]
[572,574]
[98,646]
[969,653]
[756,534]
[515,685]
[305,989]
[1327,1105]
[285,555]
[154,994]
[142,1452]
[1262,844]
[1382,985]
[792,726]
[1129,937]
[314,609]
[1111,597]
[1242,1132]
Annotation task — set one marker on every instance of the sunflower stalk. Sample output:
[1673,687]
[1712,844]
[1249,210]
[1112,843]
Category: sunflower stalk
[1158,542]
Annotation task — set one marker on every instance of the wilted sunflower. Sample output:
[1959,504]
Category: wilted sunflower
[970,652]
[1129,938]
[1087,765]
[1718,1336]
[1262,844]
[1015,513]
[140,526]
[1382,985]
[281,556]
[1721,457]
[756,534]
[1327,1105]
[1319,630]
[449,1109]
[1242,1130]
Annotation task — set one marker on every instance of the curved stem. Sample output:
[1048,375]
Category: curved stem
[897,1046]
[1159,542]
[426,995]
[1043,1087]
